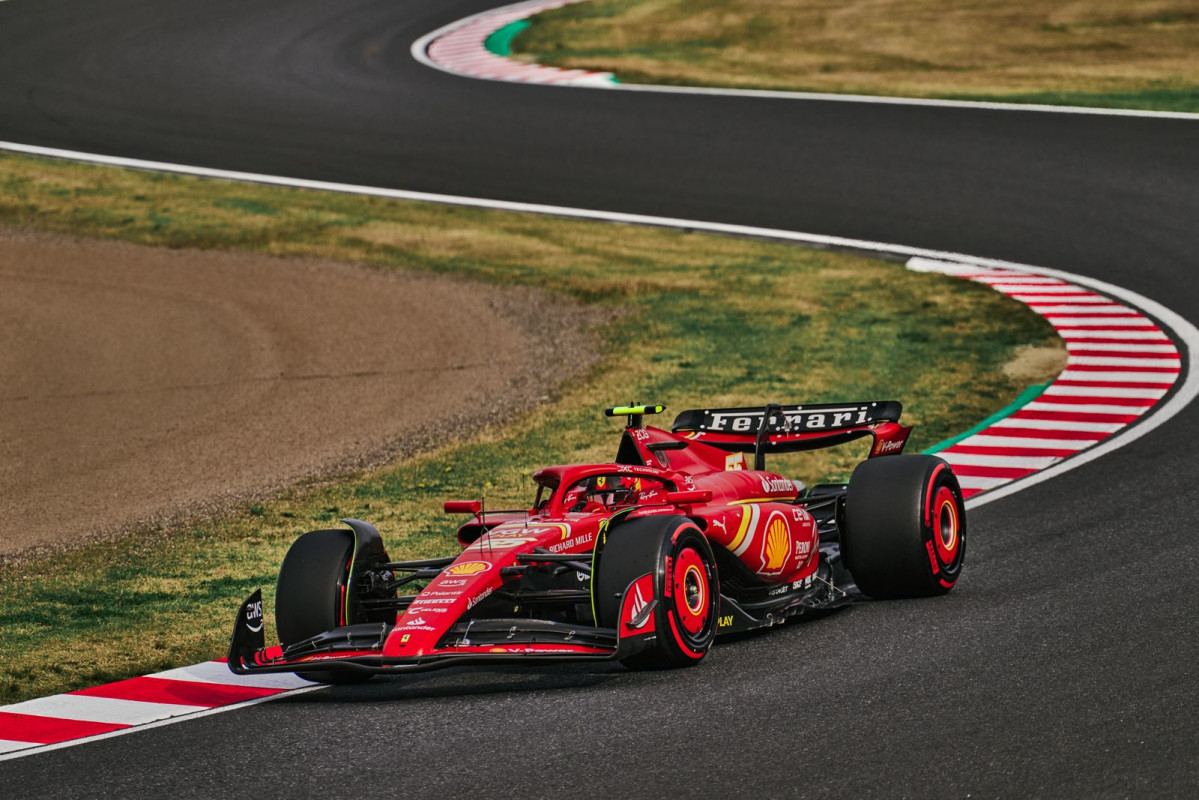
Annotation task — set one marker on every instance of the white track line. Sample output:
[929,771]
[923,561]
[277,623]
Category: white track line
[907,101]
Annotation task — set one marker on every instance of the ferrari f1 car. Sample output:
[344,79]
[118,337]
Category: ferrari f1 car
[645,560]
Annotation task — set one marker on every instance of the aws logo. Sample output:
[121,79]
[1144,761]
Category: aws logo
[254,616]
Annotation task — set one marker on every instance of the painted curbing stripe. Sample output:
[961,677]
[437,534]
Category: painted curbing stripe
[1167,363]
[1099,393]
[1008,451]
[218,672]
[1068,397]
[1142,350]
[958,458]
[1029,442]
[1112,312]
[1124,420]
[195,693]
[1054,427]
[1116,336]
[119,730]
[1069,296]
[33,729]
[1108,389]
[1089,408]
[1117,377]
[1161,387]
[81,708]
[1094,323]
[1002,280]
[478,46]
[130,704]
[973,485]
[997,473]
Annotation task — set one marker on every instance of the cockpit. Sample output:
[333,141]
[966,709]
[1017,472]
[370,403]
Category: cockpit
[595,493]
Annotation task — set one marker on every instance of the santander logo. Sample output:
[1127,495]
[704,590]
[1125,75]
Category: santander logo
[771,485]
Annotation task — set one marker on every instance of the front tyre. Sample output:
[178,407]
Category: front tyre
[311,593]
[905,527]
[676,556]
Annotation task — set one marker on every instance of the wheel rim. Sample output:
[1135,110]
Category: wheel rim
[946,526]
[691,592]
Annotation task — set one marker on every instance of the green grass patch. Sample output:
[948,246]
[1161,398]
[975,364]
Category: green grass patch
[696,320]
[1134,54]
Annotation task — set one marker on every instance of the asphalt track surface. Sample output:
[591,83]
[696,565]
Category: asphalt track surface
[1062,666]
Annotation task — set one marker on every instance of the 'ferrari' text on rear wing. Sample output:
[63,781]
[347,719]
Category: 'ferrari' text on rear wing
[780,429]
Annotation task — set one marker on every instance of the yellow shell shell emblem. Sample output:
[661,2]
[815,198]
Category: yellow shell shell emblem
[468,568]
[778,544]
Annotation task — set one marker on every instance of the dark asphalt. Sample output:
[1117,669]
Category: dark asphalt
[1062,666]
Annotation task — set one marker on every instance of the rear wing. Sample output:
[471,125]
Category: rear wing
[784,429]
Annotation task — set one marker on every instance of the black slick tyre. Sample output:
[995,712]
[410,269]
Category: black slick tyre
[310,593]
[677,556]
[905,527]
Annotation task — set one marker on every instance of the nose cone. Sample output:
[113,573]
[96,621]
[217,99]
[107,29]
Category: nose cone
[442,603]
[474,577]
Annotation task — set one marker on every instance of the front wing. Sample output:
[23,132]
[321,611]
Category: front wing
[358,648]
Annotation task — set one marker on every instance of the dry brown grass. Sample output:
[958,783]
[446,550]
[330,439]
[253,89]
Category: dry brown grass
[908,47]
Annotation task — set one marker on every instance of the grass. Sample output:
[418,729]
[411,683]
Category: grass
[1111,53]
[695,320]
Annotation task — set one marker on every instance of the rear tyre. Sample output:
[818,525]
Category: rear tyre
[676,554]
[310,596]
[905,527]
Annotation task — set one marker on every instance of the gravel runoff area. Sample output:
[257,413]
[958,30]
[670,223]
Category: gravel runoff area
[141,387]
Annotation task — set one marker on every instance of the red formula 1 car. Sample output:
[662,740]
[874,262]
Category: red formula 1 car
[644,560]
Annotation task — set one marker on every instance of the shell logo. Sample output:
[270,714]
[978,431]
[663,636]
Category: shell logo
[468,568]
[778,544]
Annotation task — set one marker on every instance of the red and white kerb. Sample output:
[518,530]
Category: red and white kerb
[1120,365]
[461,49]
[119,706]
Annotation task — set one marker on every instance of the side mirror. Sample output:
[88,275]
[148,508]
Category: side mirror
[463,507]
[689,497]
